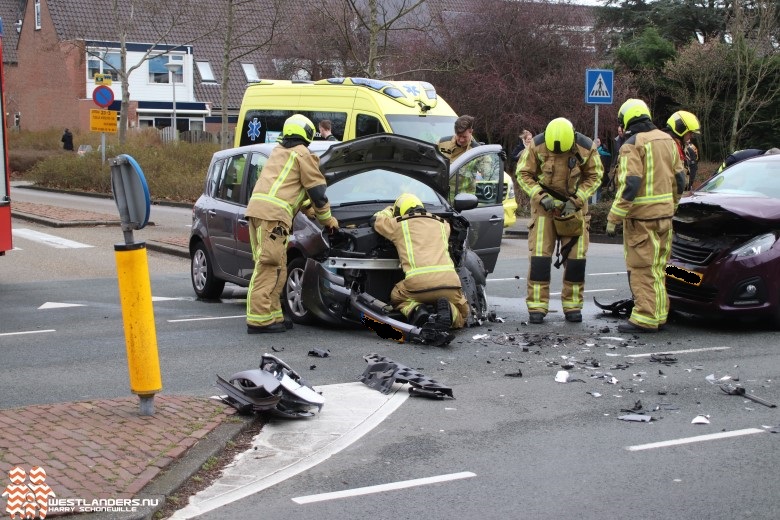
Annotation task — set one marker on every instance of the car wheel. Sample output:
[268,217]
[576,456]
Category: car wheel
[292,295]
[206,285]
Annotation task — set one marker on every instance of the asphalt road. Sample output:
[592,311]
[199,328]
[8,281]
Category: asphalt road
[536,448]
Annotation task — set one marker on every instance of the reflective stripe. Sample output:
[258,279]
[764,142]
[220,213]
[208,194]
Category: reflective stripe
[283,174]
[261,318]
[649,171]
[651,199]
[430,269]
[408,244]
[409,307]
[324,216]
[275,201]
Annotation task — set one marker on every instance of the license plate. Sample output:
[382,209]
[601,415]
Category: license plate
[683,275]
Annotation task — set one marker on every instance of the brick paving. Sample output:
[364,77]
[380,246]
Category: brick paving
[104,448]
[60,216]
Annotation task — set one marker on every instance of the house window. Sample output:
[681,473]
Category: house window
[37,14]
[158,72]
[206,74]
[110,64]
[250,71]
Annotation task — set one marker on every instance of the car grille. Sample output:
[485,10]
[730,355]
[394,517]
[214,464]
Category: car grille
[686,291]
[692,252]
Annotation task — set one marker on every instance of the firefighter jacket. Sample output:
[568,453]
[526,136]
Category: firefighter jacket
[574,175]
[422,241]
[283,183]
[449,148]
[650,177]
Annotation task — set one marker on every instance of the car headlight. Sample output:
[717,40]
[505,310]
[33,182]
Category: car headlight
[756,246]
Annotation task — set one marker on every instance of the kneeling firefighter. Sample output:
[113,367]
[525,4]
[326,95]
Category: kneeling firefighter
[422,241]
[559,173]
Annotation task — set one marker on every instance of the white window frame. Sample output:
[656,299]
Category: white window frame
[250,72]
[206,73]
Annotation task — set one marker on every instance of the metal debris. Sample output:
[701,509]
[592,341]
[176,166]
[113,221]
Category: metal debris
[635,417]
[740,390]
[666,359]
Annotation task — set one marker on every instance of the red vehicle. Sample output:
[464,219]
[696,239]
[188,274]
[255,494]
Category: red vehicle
[5,182]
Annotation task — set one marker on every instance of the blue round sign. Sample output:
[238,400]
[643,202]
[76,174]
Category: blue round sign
[103,96]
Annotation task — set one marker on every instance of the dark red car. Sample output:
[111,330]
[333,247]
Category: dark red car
[725,252]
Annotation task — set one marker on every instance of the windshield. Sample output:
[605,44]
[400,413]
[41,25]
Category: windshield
[428,128]
[756,177]
[378,186]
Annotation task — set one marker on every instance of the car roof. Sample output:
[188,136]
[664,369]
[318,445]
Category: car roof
[317,147]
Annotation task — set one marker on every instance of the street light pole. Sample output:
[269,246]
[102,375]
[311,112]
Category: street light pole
[173,67]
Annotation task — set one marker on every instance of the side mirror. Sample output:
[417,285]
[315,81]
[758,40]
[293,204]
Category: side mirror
[465,201]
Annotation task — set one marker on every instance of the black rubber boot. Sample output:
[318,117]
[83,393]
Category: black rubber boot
[443,314]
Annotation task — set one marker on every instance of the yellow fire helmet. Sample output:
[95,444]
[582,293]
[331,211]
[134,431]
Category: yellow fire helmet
[682,122]
[559,135]
[300,125]
[632,109]
[405,202]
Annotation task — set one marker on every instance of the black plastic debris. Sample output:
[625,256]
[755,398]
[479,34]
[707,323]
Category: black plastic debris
[618,308]
[740,390]
[519,373]
[381,373]
[277,349]
[666,359]
[318,352]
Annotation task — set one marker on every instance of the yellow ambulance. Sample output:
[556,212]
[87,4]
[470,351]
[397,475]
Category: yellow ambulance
[356,107]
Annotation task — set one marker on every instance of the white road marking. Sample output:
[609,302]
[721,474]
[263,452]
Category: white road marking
[168,299]
[49,240]
[698,438]
[207,318]
[57,305]
[382,487]
[606,274]
[687,351]
[585,291]
[504,279]
[26,332]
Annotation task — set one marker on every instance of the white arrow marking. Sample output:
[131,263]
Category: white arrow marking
[56,305]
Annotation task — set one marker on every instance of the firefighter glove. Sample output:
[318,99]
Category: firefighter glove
[611,229]
[548,203]
[568,209]
[332,224]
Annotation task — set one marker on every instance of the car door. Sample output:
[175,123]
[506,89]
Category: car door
[228,174]
[243,257]
[480,171]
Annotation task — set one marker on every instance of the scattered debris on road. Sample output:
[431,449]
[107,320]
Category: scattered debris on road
[381,373]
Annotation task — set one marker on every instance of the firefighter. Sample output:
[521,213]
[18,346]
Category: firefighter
[453,146]
[681,126]
[559,172]
[422,241]
[651,180]
[290,175]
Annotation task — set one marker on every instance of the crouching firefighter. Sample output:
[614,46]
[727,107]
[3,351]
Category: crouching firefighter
[422,241]
[290,175]
[560,171]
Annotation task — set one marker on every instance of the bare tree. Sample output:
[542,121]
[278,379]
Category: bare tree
[754,38]
[701,77]
[246,27]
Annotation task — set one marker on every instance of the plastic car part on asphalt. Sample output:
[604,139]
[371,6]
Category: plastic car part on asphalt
[381,373]
[274,388]
[374,316]
[618,308]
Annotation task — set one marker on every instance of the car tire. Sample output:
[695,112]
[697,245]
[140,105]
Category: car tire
[292,294]
[205,284]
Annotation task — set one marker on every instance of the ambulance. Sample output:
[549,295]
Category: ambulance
[356,107]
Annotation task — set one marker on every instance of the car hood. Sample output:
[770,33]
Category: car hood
[417,159]
[759,210]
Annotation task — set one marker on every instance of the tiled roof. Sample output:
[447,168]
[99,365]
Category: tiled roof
[9,11]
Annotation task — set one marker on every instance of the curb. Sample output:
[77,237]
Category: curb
[160,247]
[181,470]
[61,224]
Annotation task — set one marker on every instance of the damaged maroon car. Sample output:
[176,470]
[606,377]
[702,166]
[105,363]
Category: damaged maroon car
[725,257]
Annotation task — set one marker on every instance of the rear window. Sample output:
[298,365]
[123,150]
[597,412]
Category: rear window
[265,126]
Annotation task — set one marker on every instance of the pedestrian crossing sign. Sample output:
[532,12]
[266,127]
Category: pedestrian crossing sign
[598,86]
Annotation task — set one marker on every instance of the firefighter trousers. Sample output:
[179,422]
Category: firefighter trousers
[542,240]
[406,301]
[269,252]
[647,246]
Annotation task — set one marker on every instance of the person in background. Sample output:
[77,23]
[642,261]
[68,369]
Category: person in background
[681,126]
[67,140]
[525,141]
[559,172]
[325,130]
[692,158]
[650,182]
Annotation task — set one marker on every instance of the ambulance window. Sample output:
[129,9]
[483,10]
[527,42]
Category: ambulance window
[263,126]
[367,125]
[338,121]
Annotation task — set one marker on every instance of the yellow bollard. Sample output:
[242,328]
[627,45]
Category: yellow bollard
[135,295]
